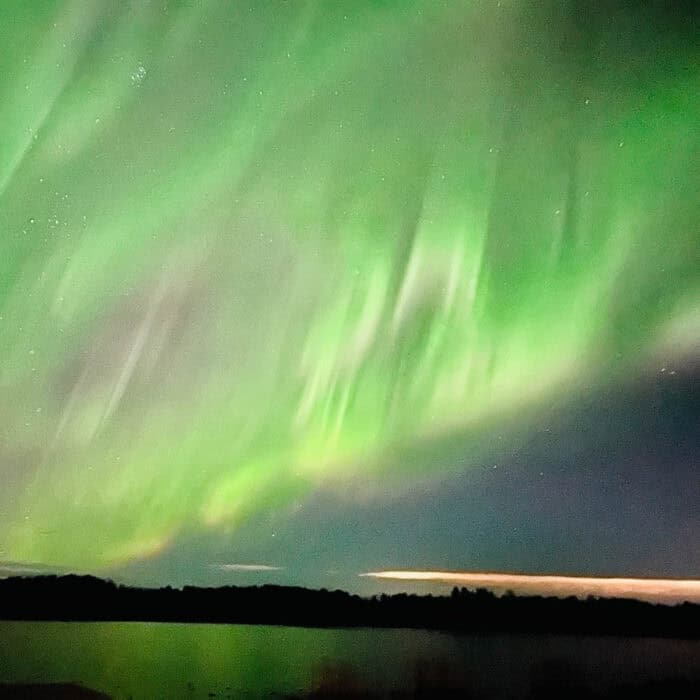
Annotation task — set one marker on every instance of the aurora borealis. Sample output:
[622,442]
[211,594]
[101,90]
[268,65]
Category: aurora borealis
[259,258]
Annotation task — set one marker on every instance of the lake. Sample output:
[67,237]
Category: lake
[137,660]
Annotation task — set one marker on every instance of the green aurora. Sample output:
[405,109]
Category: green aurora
[247,248]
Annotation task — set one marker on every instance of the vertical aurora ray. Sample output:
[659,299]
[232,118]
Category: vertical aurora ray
[247,247]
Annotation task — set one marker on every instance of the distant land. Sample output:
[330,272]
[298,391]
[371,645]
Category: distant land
[86,598]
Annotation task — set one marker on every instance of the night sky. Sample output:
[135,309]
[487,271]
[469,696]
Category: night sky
[297,290]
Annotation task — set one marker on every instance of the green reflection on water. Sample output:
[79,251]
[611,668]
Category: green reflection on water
[137,660]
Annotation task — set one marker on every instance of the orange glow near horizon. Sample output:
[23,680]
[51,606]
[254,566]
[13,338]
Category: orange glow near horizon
[654,590]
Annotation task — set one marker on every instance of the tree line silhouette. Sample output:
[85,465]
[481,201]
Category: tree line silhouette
[86,598]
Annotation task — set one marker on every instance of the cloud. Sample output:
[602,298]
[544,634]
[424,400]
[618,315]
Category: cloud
[246,567]
[9,568]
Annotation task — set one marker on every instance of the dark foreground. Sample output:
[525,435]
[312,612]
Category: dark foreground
[299,643]
[76,598]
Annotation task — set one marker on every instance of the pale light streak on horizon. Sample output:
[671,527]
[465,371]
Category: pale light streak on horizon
[655,590]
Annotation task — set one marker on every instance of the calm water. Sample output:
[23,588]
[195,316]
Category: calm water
[191,661]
